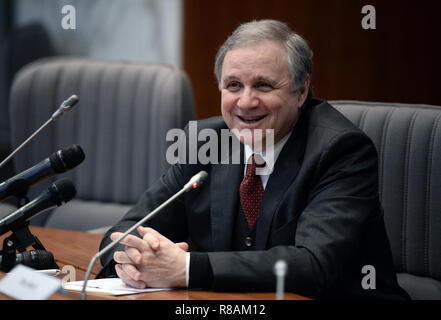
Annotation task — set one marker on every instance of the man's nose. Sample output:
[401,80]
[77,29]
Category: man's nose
[247,99]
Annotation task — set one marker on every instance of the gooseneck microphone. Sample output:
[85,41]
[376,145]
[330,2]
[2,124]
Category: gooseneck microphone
[58,193]
[59,162]
[193,183]
[66,106]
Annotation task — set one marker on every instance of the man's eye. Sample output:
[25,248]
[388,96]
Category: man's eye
[264,86]
[233,86]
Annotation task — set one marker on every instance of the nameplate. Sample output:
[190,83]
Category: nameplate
[23,283]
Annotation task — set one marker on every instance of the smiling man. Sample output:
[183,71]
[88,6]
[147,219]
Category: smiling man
[256,89]
[317,208]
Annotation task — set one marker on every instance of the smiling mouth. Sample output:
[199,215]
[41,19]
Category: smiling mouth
[251,119]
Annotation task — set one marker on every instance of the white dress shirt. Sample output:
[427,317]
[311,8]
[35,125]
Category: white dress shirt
[268,156]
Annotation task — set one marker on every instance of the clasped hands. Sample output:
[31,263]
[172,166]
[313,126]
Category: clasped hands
[151,261]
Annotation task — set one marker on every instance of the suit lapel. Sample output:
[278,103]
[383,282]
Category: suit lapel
[225,182]
[285,171]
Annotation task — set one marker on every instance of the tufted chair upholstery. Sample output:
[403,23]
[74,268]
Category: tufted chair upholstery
[124,112]
[408,141]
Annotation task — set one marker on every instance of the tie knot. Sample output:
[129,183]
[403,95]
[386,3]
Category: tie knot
[255,161]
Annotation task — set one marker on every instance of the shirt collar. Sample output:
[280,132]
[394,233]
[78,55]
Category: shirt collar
[269,156]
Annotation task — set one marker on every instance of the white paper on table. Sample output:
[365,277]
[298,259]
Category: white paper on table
[24,283]
[110,286]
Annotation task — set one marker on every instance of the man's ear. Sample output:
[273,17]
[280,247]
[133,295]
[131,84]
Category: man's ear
[303,91]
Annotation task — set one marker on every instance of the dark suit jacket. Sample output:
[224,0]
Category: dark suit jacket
[320,213]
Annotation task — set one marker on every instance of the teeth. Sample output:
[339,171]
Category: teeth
[252,120]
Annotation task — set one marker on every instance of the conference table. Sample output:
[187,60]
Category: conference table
[75,249]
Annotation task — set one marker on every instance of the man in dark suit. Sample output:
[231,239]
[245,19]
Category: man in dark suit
[316,207]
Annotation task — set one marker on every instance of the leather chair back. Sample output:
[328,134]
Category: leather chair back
[124,112]
[408,141]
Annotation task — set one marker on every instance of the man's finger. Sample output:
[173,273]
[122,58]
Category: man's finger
[183,245]
[134,255]
[142,230]
[127,279]
[151,236]
[121,257]
[152,241]
[145,230]
[131,241]
[131,271]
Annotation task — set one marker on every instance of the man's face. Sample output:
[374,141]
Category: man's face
[256,91]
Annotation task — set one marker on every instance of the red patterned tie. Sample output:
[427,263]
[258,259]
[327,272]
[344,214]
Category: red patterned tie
[251,193]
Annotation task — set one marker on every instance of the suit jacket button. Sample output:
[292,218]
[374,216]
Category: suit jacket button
[248,241]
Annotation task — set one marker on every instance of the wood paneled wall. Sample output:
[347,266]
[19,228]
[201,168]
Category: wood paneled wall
[399,61]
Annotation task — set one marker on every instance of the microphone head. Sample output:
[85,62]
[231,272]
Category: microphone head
[67,158]
[62,191]
[200,177]
[67,104]
[196,181]
[280,268]
[37,259]
[71,101]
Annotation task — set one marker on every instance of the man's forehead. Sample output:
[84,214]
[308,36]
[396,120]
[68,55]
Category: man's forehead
[270,51]
[267,55]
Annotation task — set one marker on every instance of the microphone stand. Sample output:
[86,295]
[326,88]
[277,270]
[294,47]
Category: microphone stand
[21,238]
[26,142]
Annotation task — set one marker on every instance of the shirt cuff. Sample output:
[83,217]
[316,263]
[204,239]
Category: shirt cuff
[187,268]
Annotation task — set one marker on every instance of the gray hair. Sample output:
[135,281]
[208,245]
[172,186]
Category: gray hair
[298,52]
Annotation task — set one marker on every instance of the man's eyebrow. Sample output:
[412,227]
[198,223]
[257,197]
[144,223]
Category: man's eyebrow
[228,78]
[258,78]
[263,78]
